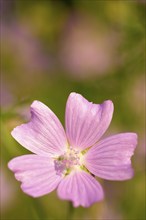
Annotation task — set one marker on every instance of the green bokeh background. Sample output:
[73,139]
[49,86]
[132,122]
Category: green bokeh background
[24,80]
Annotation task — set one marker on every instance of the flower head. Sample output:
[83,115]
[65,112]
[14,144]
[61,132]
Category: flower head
[69,161]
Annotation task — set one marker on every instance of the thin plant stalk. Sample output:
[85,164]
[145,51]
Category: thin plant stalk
[70,212]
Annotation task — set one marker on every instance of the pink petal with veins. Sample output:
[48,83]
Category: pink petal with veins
[80,188]
[86,122]
[37,174]
[110,158]
[44,134]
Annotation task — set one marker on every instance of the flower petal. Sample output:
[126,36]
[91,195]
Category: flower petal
[80,188]
[37,174]
[110,158]
[86,122]
[44,134]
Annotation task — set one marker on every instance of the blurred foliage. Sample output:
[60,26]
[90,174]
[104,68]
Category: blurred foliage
[33,33]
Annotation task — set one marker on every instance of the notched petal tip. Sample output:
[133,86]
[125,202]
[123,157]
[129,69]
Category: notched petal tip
[135,139]
[72,94]
[109,105]
[131,175]
[74,97]
[10,165]
[132,138]
[15,131]
[37,104]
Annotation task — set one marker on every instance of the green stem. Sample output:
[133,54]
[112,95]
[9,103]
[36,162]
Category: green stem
[70,211]
[39,209]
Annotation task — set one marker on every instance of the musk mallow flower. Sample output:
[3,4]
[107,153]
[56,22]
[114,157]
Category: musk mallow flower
[69,161]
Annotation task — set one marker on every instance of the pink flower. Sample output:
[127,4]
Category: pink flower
[68,161]
[85,52]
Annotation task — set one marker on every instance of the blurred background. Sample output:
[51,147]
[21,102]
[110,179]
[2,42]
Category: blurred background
[50,48]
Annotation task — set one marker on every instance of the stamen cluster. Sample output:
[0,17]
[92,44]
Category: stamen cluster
[66,162]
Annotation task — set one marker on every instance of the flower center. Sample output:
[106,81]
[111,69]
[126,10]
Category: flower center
[66,162]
